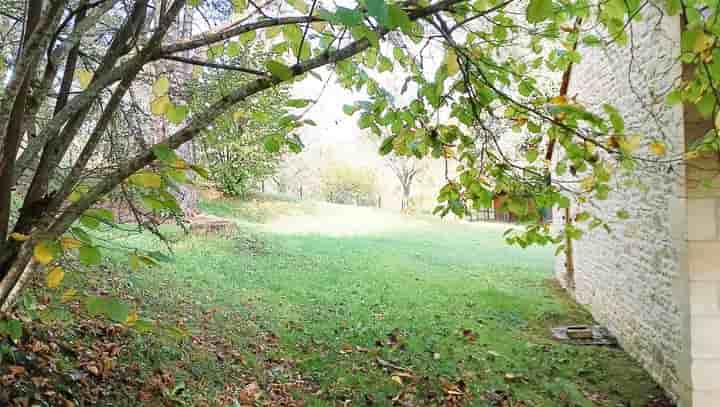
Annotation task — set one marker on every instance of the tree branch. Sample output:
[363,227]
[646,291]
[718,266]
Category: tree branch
[229,32]
[209,64]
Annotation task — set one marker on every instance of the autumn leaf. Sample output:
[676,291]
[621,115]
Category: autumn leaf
[68,295]
[161,86]
[84,77]
[132,318]
[451,61]
[68,242]
[160,106]
[146,179]
[55,277]
[19,237]
[558,100]
[42,253]
[658,148]
[134,262]
[630,144]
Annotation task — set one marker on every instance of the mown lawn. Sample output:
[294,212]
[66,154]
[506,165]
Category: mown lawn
[351,306]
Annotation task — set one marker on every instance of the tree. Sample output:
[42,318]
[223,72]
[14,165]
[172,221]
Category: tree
[239,147]
[349,185]
[74,68]
[406,170]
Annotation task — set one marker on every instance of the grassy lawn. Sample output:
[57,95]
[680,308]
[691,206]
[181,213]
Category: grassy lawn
[357,306]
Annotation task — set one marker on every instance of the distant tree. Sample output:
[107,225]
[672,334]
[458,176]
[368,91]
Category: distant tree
[345,184]
[407,170]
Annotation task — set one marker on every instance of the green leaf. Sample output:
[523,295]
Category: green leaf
[349,109]
[591,40]
[200,171]
[398,18]
[539,10]
[532,155]
[105,215]
[623,214]
[89,255]
[240,5]
[674,97]
[216,50]
[111,308]
[146,179]
[298,103]
[387,145]
[245,38]
[615,118]
[279,70]
[233,49]
[12,328]
[176,114]
[272,144]
[348,17]
[164,153]
[379,10]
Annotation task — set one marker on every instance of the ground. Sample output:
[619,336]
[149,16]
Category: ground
[317,304]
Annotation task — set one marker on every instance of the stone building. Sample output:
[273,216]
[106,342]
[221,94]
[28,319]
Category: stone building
[654,280]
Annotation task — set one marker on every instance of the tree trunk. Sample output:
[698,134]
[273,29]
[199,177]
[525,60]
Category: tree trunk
[405,202]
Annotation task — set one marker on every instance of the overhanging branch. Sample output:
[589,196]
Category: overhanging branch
[209,64]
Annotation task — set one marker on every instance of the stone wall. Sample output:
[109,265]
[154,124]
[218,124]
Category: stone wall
[631,278]
[703,267]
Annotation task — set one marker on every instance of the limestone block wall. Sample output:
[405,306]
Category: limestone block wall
[703,262]
[632,278]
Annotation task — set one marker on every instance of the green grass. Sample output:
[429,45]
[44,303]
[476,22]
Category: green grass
[451,304]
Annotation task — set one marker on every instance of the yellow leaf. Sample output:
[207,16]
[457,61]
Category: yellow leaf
[631,144]
[42,253]
[299,5]
[68,295]
[237,116]
[319,26]
[160,105]
[451,61]
[702,42]
[161,86]
[397,379]
[559,100]
[146,179]
[68,242]
[272,32]
[19,237]
[692,155]
[132,318]
[587,183]
[55,277]
[180,164]
[84,77]
[134,262]
[657,148]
